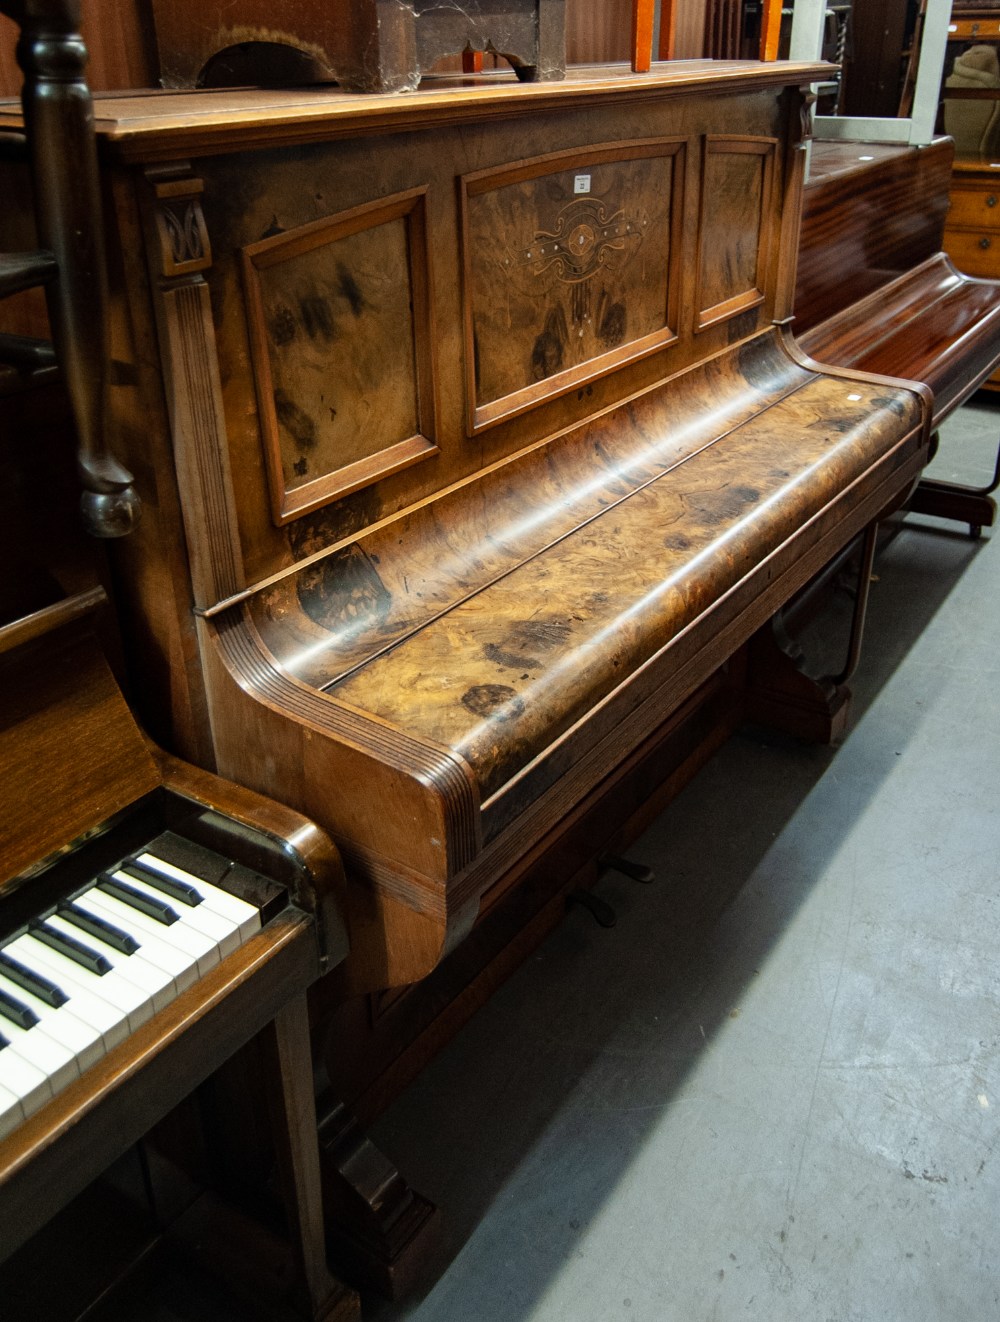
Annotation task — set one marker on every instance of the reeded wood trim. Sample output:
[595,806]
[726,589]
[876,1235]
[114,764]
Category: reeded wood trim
[179,253]
[719,144]
[250,664]
[481,417]
[411,207]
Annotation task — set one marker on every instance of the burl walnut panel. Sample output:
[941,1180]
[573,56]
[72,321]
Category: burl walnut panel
[342,343]
[733,228]
[571,265]
[502,670]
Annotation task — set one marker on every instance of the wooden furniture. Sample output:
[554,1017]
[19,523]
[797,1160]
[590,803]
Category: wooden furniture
[474,453]
[375,472]
[971,236]
[875,291]
[70,259]
[82,790]
[103,1030]
[367,45]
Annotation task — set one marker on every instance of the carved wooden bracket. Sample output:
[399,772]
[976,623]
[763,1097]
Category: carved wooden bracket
[185,248]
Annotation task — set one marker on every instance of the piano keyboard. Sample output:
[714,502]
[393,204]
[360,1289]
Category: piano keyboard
[75,982]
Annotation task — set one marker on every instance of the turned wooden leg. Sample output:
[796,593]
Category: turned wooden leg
[378,1228]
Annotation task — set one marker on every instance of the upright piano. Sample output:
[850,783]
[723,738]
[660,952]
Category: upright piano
[475,450]
[153,920]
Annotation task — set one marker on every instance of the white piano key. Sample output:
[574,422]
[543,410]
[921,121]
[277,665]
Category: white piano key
[108,1020]
[157,943]
[56,1061]
[136,1004]
[220,900]
[156,982]
[11,1112]
[27,1083]
[200,947]
[199,917]
[83,1039]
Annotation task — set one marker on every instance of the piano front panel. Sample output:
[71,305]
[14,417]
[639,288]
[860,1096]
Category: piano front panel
[353,407]
[571,265]
[349,293]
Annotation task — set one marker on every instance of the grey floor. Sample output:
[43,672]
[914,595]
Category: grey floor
[772,1091]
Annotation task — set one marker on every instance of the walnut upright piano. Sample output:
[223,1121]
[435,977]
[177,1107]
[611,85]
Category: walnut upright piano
[473,446]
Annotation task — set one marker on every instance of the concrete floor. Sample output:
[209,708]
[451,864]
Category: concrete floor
[773,1090]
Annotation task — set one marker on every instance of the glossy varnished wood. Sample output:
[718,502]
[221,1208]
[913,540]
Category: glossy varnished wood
[875,290]
[631,469]
[57,108]
[869,214]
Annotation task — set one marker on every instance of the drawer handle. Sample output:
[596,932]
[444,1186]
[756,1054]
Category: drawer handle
[991,201]
[985,243]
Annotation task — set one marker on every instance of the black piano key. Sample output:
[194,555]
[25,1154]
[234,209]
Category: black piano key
[121,890]
[12,1009]
[3,1042]
[77,951]
[112,936]
[33,982]
[181,891]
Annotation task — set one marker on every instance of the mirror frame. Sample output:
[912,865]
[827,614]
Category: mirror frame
[807,42]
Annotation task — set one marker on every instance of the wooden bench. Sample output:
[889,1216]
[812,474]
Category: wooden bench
[875,291]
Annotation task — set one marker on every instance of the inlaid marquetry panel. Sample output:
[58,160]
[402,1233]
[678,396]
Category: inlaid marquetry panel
[736,181]
[570,263]
[342,346]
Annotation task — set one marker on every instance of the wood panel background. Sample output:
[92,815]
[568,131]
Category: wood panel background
[119,35]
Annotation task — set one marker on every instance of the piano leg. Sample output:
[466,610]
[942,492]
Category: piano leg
[293,1110]
[288,1273]
[779,691]
[954,500]
[380,1230]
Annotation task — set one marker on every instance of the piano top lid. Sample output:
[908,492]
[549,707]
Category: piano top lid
[168,124]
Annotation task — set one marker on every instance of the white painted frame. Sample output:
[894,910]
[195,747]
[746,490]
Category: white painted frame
[806,43]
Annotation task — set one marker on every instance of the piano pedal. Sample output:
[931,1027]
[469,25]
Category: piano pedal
[599,909]
[628,867]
